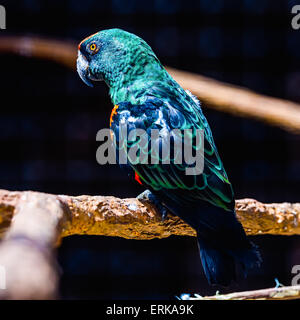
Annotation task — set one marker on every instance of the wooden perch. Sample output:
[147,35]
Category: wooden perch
[279,293]
[132,219]
[214,94]
[36,222]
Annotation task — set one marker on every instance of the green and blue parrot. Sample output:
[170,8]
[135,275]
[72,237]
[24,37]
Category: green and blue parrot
[146,97]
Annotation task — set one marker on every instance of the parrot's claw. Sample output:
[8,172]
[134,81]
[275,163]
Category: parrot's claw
[148,196]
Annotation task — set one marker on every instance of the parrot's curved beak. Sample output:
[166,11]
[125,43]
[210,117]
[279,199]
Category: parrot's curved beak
[83,69]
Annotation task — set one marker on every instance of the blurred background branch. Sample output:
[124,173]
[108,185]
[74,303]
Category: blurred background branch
[26,253]
[214,94]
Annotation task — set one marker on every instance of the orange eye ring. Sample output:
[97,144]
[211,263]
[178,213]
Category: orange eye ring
[93,47]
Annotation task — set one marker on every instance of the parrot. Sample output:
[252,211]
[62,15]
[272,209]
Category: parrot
[146,97]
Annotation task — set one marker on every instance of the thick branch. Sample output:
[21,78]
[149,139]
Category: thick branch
[131,219]
[280,293]
[214,94]
[38,220]
[26,253]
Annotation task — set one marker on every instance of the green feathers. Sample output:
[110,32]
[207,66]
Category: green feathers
[149,98]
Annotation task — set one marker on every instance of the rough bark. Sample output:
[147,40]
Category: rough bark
[132,219]
[35,222]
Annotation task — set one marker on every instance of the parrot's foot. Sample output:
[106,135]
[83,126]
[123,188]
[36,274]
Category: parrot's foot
[148,196]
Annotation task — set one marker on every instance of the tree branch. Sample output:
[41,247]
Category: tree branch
[26,253]
[132,219]
[36,222]
[280,293]
[240,101]
[277,293]
[214,94]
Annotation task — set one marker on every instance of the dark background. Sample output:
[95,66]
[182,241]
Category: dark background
[49,120]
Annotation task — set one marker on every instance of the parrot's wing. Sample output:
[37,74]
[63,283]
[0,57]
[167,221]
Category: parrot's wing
[164,116]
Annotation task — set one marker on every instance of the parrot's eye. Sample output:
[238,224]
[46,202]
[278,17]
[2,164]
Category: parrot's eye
[93,47]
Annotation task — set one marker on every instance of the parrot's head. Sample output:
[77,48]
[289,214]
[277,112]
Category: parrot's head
[113,55]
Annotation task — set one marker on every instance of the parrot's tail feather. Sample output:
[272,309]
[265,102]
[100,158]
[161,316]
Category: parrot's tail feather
[222,241]
[249,258]
[219,267]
